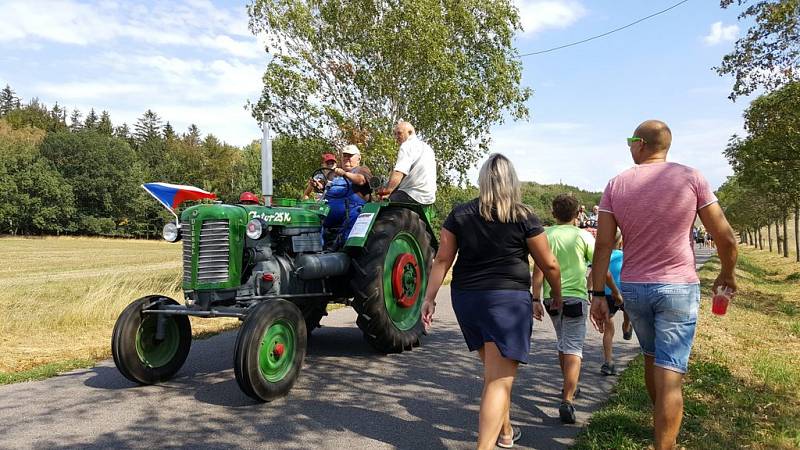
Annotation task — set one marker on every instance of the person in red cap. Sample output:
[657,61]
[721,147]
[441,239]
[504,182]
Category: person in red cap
[328,162]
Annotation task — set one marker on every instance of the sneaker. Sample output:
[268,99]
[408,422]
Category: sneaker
[627,334]
[608,369]
[567,412]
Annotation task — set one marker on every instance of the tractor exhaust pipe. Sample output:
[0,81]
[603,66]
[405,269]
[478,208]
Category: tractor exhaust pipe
[266,165]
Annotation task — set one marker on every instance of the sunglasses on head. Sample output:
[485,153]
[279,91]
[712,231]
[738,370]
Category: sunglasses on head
[631,140]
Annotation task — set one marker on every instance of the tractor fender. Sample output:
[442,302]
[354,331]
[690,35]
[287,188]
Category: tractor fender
[369,213]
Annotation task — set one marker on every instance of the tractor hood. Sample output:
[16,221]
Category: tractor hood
[214,238]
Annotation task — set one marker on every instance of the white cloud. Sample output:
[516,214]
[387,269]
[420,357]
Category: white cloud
[553,152]
[64,22]
[189,23]
[721,33]
[538,15]
[91,90]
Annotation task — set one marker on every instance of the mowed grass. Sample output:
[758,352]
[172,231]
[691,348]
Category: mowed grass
[743,385]
[60,297]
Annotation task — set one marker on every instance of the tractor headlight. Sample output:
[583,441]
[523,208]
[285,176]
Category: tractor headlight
[255,228]
[171,232]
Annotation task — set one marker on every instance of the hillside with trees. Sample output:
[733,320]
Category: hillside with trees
[65,173]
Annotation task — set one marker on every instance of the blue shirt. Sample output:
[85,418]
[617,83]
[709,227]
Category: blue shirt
[615,267]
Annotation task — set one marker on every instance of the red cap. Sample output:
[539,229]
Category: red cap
[328,157]
[248,198]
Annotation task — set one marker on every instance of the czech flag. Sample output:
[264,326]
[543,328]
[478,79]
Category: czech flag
[172,195]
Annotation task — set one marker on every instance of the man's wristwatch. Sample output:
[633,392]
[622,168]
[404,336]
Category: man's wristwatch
[536,300]
[598,293]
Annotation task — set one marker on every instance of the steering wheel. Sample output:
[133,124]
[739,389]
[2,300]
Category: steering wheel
[321,180]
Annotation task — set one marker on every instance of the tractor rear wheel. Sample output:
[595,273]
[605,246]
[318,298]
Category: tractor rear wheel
[270,349]
[389,279]
[139,353]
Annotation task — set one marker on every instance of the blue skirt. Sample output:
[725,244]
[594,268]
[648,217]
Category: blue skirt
[504,317]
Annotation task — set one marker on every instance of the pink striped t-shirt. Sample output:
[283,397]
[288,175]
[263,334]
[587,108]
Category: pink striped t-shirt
[655,207]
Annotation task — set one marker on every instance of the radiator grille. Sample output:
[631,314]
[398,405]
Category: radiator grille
[212,260]
[186,236]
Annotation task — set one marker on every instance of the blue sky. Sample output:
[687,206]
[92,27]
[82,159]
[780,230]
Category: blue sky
[194,61]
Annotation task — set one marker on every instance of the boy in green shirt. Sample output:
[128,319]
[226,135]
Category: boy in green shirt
[574,249]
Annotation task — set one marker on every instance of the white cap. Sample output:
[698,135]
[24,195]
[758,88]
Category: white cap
[351,150]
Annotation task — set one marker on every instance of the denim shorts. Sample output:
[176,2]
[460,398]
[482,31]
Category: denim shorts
[570,331]
[664,317]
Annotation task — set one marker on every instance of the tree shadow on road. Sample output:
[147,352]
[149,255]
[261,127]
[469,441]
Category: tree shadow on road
[424,399]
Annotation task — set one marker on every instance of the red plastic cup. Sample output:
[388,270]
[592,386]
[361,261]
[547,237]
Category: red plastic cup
[719,304]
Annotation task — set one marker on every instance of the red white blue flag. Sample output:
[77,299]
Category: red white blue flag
[172,195]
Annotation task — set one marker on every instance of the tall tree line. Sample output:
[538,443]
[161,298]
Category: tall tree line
[765,188]
[66,172]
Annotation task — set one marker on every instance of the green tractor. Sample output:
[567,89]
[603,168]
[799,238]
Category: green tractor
[276,268]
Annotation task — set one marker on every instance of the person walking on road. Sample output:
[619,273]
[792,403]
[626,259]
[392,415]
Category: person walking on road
[573,248]
[655,203]
[493,236]
[614,305]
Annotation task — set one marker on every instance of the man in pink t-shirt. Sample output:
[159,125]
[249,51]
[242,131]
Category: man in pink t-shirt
[655,203]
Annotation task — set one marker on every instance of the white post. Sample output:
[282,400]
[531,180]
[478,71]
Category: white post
[266,165]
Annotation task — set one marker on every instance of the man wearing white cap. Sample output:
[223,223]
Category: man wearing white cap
[354,172]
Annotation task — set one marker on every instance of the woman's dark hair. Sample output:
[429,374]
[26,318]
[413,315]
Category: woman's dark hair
[565,207]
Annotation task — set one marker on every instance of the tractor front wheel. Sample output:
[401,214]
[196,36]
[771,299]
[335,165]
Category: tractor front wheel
[389,280]
[270,349]
[141,353]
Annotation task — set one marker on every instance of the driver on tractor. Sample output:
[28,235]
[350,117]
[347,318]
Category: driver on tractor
[346,195]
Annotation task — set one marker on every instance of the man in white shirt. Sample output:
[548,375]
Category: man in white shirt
[413,179]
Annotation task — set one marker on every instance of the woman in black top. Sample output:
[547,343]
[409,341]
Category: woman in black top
[493,236]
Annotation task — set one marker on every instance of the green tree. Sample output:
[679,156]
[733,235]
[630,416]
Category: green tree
[34,114]
[123,132]
[293,162]
[75,122]
[147,127]
[220,162]
[192,135]
[104,126]
[768,55]
[59,117]
[8,100]
[169,132]
[768,159]
[347,71]
[103,171]
[90,123]
[149,143]
[34,198]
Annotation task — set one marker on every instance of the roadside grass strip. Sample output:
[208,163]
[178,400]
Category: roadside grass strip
[44,371]
[743,385]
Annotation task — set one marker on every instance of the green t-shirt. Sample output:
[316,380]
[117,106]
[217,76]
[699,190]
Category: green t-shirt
[574,249]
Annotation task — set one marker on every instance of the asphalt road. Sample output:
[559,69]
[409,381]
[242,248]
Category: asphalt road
[347,397]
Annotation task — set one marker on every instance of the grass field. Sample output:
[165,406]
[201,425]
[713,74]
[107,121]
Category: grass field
[59,298]
[743,385]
